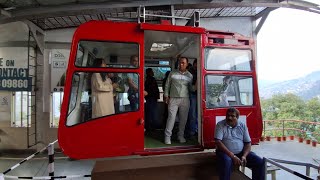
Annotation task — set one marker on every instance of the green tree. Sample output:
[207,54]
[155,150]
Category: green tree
[283,106]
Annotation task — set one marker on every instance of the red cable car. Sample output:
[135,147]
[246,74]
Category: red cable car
[226,74]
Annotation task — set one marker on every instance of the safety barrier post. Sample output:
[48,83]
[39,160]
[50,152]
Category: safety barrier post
[51,159]
[308,170]
[265,168]
[264,128]
[282,128]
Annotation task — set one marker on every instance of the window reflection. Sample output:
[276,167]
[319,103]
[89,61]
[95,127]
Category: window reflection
[116,54]
[224,91]
[95,100]
[227,59]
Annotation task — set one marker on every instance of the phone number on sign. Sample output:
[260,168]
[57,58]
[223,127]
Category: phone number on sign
[14,83]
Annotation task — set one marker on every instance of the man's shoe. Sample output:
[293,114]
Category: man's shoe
[167,140]
[182,140]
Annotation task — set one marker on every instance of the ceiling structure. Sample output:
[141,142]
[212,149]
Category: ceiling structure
[56,14]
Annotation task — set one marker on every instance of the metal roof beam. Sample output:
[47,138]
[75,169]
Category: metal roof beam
[264,12]
[38,37]
[261,22]
[5,13]
[90,8]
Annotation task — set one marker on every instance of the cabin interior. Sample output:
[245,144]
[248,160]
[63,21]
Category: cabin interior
[161,50]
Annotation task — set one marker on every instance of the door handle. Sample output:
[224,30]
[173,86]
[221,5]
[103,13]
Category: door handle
[141,121]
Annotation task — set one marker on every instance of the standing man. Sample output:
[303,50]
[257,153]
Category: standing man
[176,95]
[133,81]
[192,125]
[152,89]
[234,147]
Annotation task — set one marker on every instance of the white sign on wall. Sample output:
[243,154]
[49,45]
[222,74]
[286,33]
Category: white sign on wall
[14,70]
[5,101]
[59,62]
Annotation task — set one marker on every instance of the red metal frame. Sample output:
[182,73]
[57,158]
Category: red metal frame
[123,134]
[253,113]
[120,134]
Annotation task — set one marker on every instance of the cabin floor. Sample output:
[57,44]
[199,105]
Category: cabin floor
[155,139]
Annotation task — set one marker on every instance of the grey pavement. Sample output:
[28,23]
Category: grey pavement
[289,150]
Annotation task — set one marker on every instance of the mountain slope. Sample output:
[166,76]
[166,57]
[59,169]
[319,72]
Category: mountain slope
[306,87]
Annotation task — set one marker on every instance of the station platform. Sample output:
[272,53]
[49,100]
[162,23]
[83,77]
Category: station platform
[37,166]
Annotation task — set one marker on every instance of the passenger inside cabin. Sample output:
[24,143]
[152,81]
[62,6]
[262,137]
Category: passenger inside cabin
[151,87]
[133,81]
[228,90]
[176,95]
[234,147]
[118,88]
[102,92]
[192,125]
[165,110]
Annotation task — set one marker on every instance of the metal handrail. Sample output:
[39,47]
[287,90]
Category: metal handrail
[277,161]
[293,129]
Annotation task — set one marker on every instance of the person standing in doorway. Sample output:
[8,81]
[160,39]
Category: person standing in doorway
[165,113]
[152,89]
[193,111]
[176,95]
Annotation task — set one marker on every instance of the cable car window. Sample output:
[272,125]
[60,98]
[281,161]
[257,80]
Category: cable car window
[228,59]
[74,90]
[103,94]
[116,54]
[225,91]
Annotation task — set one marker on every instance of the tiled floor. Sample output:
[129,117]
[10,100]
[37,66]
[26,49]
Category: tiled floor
[290,150]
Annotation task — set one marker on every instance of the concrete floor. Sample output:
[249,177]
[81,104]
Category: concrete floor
[289,150]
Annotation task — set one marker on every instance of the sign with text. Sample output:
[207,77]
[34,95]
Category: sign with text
[59,61]
[14,70]
[5,101]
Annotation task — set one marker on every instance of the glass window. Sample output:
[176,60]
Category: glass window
[225,91]
[228,59]
[56,108]
[115,54]
[102,94]
[22,109]
[74,91]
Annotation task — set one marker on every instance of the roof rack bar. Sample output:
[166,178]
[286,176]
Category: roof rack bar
[142,15]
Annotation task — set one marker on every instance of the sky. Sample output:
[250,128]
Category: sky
[288,45]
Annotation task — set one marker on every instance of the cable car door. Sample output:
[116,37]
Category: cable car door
[229,80]
[102,109]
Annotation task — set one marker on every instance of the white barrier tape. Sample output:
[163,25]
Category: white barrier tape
[13,167]
[50,167]
[44,177]
[28,158]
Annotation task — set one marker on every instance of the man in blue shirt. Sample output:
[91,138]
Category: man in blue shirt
[234,147]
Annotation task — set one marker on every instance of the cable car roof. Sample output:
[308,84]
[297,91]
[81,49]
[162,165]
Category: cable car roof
[55,14]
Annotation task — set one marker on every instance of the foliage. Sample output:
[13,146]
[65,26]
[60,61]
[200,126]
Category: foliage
[215,89]
[291,107]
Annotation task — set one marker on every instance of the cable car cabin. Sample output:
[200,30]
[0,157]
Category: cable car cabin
[103,121]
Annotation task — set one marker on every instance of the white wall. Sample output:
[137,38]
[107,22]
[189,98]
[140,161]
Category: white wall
[16,31]
[61,36]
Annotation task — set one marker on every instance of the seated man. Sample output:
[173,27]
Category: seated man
[234,147]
